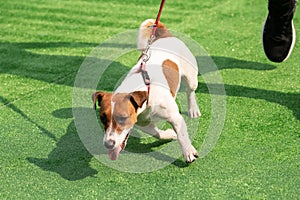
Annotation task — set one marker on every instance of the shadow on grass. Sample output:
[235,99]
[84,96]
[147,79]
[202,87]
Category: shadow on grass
[70,158]
[20,59]
[23,59]
[27,118]
[229,63]
[289,100]
[135,145]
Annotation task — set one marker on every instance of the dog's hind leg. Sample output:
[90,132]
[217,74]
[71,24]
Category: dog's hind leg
[190,81]
[194,110]
[153,130]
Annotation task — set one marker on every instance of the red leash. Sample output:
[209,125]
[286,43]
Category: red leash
[160,11]
[145,56]
[158,17]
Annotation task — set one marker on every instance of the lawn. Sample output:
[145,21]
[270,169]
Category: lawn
[43,48]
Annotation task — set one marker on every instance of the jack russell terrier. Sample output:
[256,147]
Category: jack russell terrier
[132,103]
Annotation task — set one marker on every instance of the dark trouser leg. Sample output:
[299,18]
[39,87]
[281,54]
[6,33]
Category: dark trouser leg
[280,7]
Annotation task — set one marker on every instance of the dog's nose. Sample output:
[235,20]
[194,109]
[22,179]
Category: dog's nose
[109,144]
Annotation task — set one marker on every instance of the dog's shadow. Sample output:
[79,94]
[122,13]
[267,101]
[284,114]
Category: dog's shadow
[142,143]
[69,158]
[137,144]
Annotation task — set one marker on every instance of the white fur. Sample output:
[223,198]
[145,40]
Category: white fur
[161,103]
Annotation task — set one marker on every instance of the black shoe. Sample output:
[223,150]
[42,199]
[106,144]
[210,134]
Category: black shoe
[278,33]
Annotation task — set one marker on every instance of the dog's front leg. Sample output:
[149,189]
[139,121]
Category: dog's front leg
[189,152]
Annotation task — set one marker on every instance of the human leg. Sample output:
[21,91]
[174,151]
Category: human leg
[278,33]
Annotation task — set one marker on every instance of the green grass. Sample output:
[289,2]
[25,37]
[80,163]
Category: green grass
[43,44]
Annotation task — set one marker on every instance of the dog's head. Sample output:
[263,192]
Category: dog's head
[118,114]
[145,32]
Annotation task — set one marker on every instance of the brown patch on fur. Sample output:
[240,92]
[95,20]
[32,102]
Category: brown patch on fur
[171,72]
[124,113]
[162,31]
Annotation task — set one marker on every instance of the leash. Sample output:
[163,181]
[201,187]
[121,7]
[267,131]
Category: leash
[146,54]
[145,57]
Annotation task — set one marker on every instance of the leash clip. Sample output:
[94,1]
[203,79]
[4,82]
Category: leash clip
[146,55]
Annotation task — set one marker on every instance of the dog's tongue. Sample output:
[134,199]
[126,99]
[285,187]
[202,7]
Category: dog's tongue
[113,154]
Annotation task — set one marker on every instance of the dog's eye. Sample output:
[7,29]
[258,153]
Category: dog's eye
[121,120]
[103,118]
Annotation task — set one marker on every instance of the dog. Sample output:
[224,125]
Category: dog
[170,63]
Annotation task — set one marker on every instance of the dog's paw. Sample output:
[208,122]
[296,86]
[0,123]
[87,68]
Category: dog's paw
[168,134]
[190,154]
[194,112]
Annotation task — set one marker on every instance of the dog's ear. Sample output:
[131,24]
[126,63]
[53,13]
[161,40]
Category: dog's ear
[98,96]
[138,98]
[162,33]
